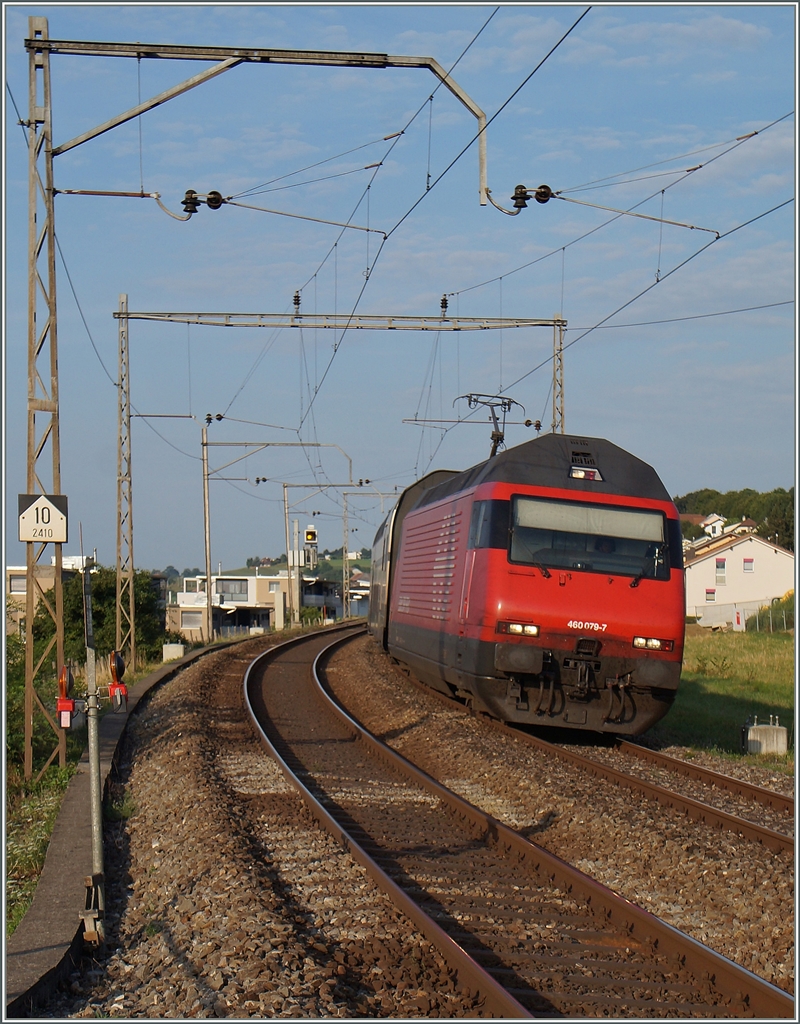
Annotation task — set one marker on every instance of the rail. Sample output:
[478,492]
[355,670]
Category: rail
[738,986]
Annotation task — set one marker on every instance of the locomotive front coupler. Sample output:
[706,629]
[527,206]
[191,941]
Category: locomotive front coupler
[516,695]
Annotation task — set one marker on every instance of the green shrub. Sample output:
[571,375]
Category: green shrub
[773,618]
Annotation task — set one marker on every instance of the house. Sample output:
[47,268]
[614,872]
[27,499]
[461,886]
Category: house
[239,604]
[246,604]
[713,525]
[735,572]
[16,586]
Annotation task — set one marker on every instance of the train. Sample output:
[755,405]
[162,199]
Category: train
[544,586]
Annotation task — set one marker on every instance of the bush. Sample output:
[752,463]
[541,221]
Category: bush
[777,618]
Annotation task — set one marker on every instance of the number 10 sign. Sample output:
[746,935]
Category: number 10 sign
[43,518]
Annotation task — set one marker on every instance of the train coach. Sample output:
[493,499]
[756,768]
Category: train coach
[543,586]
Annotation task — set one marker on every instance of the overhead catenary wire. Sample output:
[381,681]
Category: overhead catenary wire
[684,173]
[370,268]
[599,182]
[629,302]
[695,316]
[442,175]
[644,291]
[114,382]
[255,190]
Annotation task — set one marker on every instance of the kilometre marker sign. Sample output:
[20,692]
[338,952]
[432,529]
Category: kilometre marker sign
[43,518]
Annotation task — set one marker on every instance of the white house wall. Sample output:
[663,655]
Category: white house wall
[772,576]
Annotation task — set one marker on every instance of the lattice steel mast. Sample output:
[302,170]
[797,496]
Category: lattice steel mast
[43,475]
[126,610]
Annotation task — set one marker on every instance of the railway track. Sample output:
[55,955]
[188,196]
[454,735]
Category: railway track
[698,810]
[779,807]
[746,790]
[534,936]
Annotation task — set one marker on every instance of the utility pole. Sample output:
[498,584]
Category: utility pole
[345,563]
[296,586]
[43,473]
[289,586]
[207,525]
[94,915]
[126,607]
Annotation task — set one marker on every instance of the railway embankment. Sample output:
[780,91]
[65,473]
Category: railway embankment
[48,943]
[224,899]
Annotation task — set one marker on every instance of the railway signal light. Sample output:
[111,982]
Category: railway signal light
[310,546]
[117,691]
[65,705]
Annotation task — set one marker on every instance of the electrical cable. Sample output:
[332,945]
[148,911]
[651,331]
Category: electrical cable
[580,238]
[99,358]
[669,273]
[439,178]
[255,190]
[598,182]
[80,311]
[499,111]
[20,122]
[396,139]
[309,181]
[676,319]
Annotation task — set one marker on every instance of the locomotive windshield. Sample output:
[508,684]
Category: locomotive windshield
[595,538]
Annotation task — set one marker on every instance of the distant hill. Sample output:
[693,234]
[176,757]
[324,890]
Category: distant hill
[773,511]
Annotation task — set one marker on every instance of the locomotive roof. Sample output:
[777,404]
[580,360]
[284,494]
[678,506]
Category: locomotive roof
[546,461]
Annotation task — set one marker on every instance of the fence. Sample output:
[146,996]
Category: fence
[229,632]
[767,619]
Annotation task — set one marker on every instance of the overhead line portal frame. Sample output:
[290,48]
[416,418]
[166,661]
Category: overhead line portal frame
[347,321]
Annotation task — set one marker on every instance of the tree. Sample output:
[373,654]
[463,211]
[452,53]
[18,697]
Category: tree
[149,631]
[778,521]
[772,512]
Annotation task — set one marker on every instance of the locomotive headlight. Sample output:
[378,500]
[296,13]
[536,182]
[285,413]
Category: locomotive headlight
[518,628]
[651,643]
[580,473]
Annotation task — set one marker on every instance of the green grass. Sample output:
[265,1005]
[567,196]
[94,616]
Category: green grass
[728,678]
[31,812]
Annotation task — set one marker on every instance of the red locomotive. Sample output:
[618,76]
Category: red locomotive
[542,586]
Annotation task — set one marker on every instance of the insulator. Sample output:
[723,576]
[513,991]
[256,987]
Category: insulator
[191,203]
[214,200]
[296,301]
[520,197]
[543,193]
[444,304]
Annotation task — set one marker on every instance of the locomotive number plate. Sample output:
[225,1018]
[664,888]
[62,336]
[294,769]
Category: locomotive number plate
[598,627]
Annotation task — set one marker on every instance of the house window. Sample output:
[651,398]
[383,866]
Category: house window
[720,580]
[748,565]
[274,588]
[191,620]
[711,596]
[17,584]
[236,588]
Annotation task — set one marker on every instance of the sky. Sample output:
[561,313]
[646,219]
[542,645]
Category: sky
[680,345]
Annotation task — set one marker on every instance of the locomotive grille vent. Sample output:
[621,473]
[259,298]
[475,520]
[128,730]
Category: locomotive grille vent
[583,459]
[588,647]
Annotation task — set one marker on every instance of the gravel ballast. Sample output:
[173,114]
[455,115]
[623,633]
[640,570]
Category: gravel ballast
[729,893]
[225,899]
